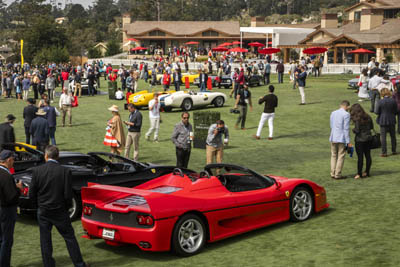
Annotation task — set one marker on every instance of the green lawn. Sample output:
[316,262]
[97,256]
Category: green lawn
[359,229]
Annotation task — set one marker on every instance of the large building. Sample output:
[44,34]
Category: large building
[164,34]
[373,25]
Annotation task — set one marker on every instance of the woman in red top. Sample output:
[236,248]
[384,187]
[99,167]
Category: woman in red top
[166,81]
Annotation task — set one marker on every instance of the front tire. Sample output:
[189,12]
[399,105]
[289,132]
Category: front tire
[76,209]
[187,104]
[219,101]
[189,235]
[301,204]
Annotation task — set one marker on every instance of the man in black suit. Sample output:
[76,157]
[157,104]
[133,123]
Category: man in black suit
[29,114]
[40,130]
[387,111]
[8,206]
[51,190]
[7,131]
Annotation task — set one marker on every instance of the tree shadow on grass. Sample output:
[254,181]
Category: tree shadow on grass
[82,124]
[302,134]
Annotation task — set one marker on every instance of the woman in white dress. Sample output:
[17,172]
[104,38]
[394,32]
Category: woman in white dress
[363,85]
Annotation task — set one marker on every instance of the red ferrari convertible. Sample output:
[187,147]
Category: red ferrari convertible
[184,210]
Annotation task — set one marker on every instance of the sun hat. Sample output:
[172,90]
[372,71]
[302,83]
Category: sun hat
[41,112]
[114,108]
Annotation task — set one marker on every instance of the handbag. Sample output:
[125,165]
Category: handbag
[74,103]
[375,140]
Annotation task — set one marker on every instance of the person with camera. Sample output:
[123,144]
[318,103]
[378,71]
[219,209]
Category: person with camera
[214,142]
[8,206]
[243,98]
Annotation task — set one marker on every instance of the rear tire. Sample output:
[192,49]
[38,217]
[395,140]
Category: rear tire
[219,101]
[75,211]
[187,104]
[301,204]
[189,235]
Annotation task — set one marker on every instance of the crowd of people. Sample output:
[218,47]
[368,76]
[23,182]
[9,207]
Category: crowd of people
[40,122]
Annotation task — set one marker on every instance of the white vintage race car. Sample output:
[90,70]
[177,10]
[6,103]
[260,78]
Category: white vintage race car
[188,100]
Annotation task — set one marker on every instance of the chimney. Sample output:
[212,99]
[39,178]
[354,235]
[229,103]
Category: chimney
[257,21]
[371,18]
[329,21]
[126,19]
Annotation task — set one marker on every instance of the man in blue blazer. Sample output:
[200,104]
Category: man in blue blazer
[340,138]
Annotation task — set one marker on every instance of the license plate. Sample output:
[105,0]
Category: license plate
[108,233]
[18,210]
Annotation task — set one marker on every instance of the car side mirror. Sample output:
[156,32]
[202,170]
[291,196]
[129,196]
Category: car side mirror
[278,185]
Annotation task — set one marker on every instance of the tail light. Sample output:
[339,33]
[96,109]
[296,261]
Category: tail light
[25,190]
[145,220]
[87,210]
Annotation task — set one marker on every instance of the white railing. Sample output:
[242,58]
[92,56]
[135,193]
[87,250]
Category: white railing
[194,66]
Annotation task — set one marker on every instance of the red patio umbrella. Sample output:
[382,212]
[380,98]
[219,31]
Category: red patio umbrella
[236,43]
[269,50]
[361,51]
[225,44]
[256,44]
[238,49]
[192,43]
[220,49]
[138,48]
[315,50]
[133,39]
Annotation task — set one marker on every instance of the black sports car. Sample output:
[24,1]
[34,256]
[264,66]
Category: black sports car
[226,81]
[254,80]
[95,167]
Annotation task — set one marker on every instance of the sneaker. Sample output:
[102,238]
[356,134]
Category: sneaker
[155,140]
[147,138]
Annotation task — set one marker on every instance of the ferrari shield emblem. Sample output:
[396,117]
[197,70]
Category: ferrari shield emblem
[287,193]
[153,170]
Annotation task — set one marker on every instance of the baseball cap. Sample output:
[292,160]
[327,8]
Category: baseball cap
[5,154]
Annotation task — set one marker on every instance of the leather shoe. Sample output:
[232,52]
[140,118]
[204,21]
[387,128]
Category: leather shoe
[270,138]
[383,155]
[256,137]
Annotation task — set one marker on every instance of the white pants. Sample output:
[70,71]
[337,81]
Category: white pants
[303,96]
[25,96]
[154,126]
[270,118]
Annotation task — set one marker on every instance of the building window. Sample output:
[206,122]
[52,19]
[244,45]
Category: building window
[157,33]
[357,16]
[391,13]
[210,33]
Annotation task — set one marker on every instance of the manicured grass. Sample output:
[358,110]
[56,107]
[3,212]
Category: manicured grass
[359,229]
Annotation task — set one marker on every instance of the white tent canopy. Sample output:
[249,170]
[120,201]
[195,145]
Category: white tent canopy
[297,34]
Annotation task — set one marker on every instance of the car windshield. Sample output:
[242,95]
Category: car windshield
[239,179]
[117,163]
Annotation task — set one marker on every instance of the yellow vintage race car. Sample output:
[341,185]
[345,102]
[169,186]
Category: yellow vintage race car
[191,76]
[142,98]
